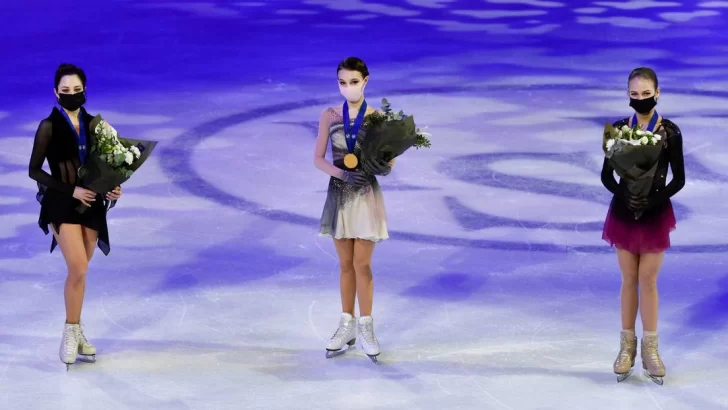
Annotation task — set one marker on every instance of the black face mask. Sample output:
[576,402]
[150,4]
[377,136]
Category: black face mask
[643,106]
[72,102]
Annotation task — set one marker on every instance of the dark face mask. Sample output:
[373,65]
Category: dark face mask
[72,102]
[643,106]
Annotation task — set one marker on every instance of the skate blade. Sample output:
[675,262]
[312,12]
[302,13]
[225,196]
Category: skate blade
[623,376]
[68,365]
[330,354]
[374,359]
[655,379]
[87,358]
[335,353]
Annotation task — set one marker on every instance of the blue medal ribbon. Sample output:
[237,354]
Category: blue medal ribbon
[651,125]
[349,132]
[80,136]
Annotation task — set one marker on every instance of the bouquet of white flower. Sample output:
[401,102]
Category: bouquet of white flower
[615,139]
[108,146]
[112,159]
[633,153]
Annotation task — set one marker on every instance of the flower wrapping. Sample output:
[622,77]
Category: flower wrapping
[112,159]
[634,154]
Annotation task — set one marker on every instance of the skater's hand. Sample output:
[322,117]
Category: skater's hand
[114,195]
[636,203]
[375,167]
[356,178]
[84,195]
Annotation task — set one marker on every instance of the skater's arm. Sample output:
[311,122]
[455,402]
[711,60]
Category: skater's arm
[319,155]
[35,169]
[608,179]
[677,165]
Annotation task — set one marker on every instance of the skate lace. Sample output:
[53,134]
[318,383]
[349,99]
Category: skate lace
[341,331]
[368,333]
[71,340]
[81,337]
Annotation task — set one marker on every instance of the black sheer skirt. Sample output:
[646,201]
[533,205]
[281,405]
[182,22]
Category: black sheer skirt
[58,208]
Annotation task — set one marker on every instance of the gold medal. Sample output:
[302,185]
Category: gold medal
[351,161]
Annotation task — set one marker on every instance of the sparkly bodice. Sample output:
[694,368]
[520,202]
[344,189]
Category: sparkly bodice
[338,138]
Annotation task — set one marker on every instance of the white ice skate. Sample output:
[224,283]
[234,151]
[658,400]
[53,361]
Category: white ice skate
[368,340]
[345,335]
[69,345]
[85,348]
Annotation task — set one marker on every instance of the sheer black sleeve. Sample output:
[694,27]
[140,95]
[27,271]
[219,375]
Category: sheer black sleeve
[608,179]
[677,165]
[37,158]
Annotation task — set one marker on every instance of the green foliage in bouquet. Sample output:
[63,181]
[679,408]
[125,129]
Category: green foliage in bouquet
[388,114]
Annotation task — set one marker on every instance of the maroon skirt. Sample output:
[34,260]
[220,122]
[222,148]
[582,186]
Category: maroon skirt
[637,236]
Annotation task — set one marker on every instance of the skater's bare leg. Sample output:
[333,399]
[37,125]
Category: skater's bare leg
[649,267]
[345,334]
[71,242]
[90,239]
[363,251]
[629,265]
[650,264]
[347,274]
[629,302]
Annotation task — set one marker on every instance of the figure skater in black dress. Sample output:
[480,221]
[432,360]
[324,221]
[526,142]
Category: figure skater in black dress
[641,242]
[64,140]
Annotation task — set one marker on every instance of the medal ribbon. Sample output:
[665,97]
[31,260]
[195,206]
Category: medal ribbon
[349,132]
[80,136]
[651,125]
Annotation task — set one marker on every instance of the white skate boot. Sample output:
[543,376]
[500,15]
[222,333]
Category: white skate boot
[344,335]
[69,345]
[85,348]
[368,339]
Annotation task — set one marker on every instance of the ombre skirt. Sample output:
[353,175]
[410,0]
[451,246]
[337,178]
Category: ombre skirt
[640,236]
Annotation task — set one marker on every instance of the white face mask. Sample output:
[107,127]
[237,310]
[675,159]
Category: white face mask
[352,93]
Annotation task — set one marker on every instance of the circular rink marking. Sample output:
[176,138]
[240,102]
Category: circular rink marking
[476,169]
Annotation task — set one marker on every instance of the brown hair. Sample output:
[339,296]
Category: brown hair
[644,72]
[354,64]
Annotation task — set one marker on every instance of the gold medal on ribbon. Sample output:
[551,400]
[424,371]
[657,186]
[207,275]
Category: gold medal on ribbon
[350,133]
[351,161]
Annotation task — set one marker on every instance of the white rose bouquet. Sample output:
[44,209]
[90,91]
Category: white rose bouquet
[634,154]
[112,159]
[616,138]
[107,144]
